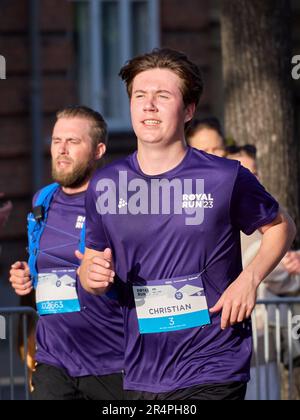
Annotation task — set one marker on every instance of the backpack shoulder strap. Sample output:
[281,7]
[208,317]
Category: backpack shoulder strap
[45,195]
[36,226]
[81,246]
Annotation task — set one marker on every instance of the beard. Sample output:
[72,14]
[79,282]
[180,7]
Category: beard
[77,176]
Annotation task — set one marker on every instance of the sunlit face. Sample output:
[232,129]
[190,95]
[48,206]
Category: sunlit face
[73,155]
[209,141]
[158,112]
[246,161]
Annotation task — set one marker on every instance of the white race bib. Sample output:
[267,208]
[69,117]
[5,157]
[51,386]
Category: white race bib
[56,292]
[171,304]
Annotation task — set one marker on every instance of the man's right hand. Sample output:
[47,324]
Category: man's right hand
[97,272]
[20,278]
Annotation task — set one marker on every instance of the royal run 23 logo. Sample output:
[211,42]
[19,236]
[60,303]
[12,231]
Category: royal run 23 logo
[157,196]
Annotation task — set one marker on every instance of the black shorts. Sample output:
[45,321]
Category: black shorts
[51,383]
[234,391]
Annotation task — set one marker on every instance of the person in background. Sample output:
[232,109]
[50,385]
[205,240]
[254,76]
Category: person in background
[206,134]
[246,155]
[284,280]
[5,210]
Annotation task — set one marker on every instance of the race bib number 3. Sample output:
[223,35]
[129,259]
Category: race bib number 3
[56,292]
[171,305]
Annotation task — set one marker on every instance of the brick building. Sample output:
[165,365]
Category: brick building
[82,45]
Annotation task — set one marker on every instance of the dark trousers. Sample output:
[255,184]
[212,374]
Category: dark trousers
[234,391]
[51,383]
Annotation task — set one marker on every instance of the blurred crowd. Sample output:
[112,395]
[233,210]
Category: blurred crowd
[207,134]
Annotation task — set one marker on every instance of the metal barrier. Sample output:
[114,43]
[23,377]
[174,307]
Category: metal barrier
[277,317]
[23,314]
[282,317]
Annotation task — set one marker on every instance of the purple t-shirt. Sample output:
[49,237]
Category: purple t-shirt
[165,244]
[89,342]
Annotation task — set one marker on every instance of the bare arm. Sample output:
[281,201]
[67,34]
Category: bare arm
[291,262]
[277,239]
[238,301]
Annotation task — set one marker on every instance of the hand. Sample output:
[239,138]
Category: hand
[237,302]
[20,278]
[291,262]
[80,256]
[100,271]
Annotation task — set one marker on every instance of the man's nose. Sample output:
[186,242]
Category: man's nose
[150,104]
[63,148]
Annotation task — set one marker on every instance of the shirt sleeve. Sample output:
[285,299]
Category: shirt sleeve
[251,205]
[96,237]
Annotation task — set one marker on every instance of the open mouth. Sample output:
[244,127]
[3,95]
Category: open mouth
[151,123]
[63,163]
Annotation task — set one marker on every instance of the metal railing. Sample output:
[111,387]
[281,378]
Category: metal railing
[281,317]
[22,314]
[277,317]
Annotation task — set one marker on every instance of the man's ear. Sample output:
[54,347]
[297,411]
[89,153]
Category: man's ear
[189,112]
[100,151]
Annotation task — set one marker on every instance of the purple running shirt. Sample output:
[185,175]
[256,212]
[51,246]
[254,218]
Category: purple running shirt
[161,247]
[89,342]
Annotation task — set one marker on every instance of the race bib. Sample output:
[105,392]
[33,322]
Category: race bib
[171,305]
[56,292]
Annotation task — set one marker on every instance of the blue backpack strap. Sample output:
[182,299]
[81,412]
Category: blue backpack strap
[35,228]
[81,246]
[45,195]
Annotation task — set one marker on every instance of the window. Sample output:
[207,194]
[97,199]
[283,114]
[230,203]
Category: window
[109,32]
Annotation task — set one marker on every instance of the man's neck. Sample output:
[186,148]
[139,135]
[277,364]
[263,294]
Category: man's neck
[158,160]
[72,191]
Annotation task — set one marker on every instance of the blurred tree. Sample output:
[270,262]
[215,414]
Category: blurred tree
[256,49]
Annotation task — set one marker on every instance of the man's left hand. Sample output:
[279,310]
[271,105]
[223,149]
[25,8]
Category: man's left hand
[238,301]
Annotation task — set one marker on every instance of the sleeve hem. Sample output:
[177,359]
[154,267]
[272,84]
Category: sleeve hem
[98,247]
[266,220]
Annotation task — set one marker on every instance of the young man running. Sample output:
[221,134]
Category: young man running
[166,223]
[80,348]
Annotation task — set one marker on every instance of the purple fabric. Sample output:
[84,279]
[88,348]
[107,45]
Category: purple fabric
[153,247]
[90,342]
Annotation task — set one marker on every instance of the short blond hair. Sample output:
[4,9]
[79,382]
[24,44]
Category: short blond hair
[98,131]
